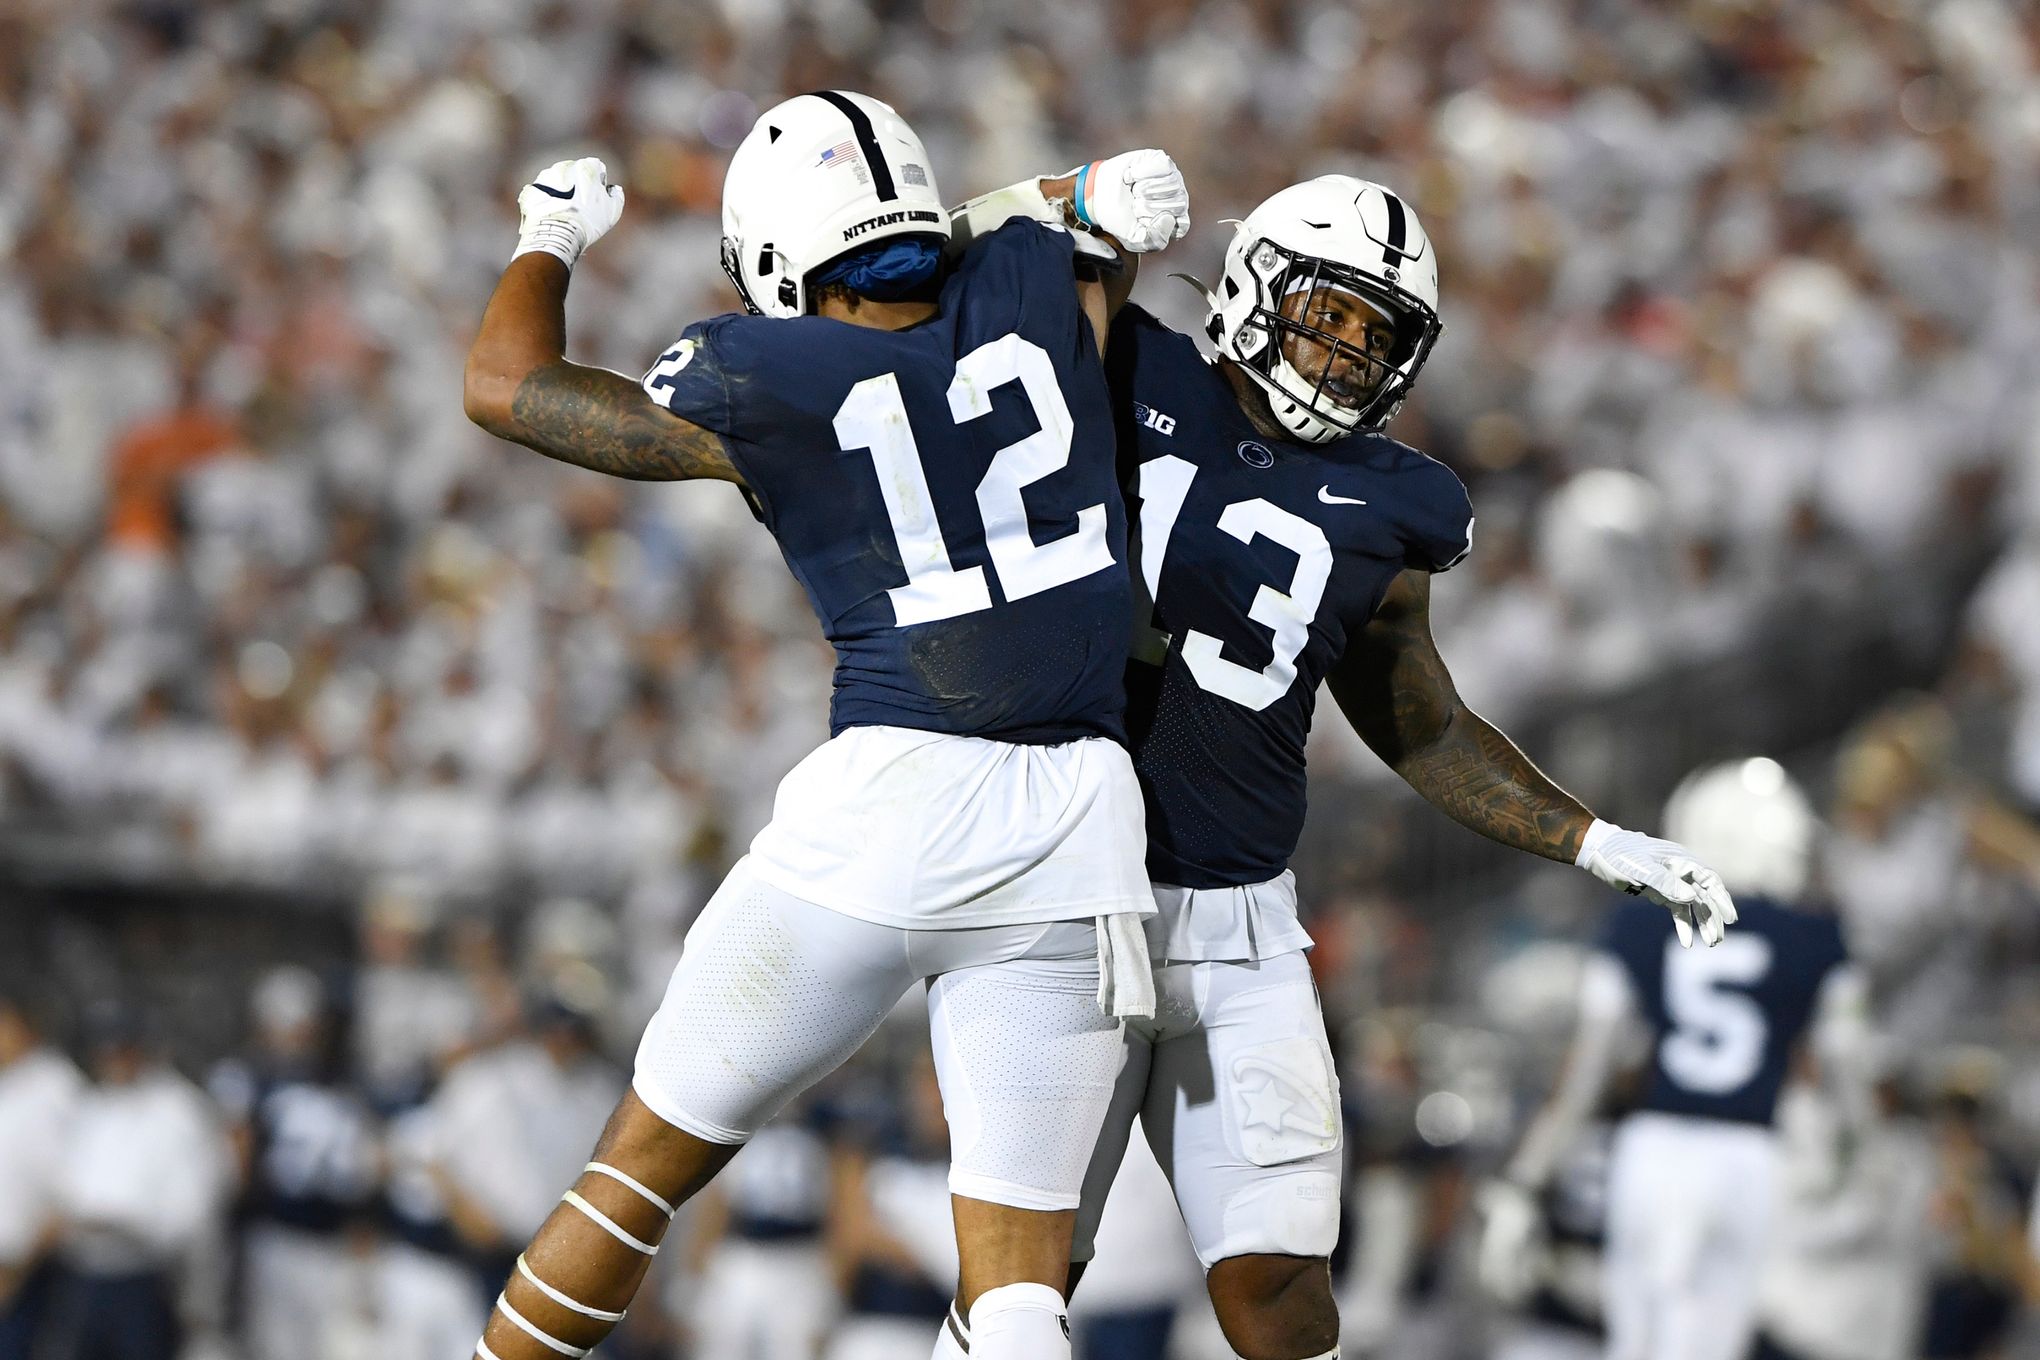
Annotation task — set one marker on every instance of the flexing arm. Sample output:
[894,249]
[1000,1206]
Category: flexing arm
[519,386]
[1102,286]
[1393,687]
[1125,205]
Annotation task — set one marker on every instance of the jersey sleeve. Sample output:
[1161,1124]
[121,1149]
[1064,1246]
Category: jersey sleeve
[1026,270]
[1439,527]
[703,379]
[692,378]
[1627,937]
[1831,949]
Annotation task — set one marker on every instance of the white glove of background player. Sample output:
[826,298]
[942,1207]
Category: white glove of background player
[1137,196]
[570,206]
[1510,1257]
[1663,871]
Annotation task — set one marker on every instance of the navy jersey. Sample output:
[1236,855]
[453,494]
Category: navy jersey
[778,1187]
[312,1162]
[1723,1020]
[944,493]
[1261,558]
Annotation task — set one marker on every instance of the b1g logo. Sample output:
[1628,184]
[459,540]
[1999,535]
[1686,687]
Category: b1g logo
[1153,419]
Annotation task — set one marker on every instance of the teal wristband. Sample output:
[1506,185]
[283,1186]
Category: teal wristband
[1077,199]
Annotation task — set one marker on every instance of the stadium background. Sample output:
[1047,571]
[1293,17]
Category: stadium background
[296,667]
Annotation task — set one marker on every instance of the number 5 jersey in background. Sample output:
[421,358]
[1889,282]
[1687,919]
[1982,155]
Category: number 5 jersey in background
[1724,1021]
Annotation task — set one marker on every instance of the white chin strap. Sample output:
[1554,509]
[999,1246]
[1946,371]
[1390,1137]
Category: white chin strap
[1303,423]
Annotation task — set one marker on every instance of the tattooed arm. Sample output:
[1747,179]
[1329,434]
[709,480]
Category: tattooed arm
[519,386]
[1395,690]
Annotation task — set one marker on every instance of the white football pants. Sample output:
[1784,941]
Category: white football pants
[1690,1203]
[772,993]
[1234,1087]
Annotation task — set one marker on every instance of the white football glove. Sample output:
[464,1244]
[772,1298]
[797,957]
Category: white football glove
[1663,871]
[1510,1257]
[570,206]
[1137,196]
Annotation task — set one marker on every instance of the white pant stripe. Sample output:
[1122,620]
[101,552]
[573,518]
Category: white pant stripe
[610,1225]
[601,1170]
[483,1348]
[525,1325]
[561,1299]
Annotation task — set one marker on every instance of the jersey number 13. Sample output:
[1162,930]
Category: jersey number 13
[1164,485]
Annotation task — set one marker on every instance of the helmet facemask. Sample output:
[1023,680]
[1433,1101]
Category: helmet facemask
[1321,387]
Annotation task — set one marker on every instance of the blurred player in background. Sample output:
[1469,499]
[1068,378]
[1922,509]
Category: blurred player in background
[892,1242]
[306,1156]
[1557,1309]
[763,1277]
[1284,541]
[1847,1274]
[1693,1179]
[932,448]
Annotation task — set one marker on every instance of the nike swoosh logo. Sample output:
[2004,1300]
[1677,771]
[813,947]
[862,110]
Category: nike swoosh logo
[548,189]
[1324,493]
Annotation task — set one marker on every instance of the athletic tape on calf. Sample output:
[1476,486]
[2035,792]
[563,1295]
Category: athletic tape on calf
[643,1190]
[486,1353]
[610,1225]
[562,1300]
[531,1329]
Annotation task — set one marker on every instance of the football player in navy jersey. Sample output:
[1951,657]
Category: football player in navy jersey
[931,444]
[1693,1171]
[1284,541]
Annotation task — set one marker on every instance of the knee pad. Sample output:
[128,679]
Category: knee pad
[1295,1213]
[1020,1322]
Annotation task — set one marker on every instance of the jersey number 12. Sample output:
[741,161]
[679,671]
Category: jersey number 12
[874,417]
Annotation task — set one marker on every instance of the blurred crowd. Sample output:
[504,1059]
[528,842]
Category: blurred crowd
[1742,336]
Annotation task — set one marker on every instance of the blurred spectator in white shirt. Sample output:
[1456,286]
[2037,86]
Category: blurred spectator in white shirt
[522,1118]
[38,1092]
[408,1010]
[141,1185]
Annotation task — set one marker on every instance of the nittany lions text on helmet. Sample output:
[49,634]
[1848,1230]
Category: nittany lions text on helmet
[820,175]
[1333,232]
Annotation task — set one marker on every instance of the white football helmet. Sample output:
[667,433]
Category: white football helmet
[818,176]
[1331,232]
[1750,823]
